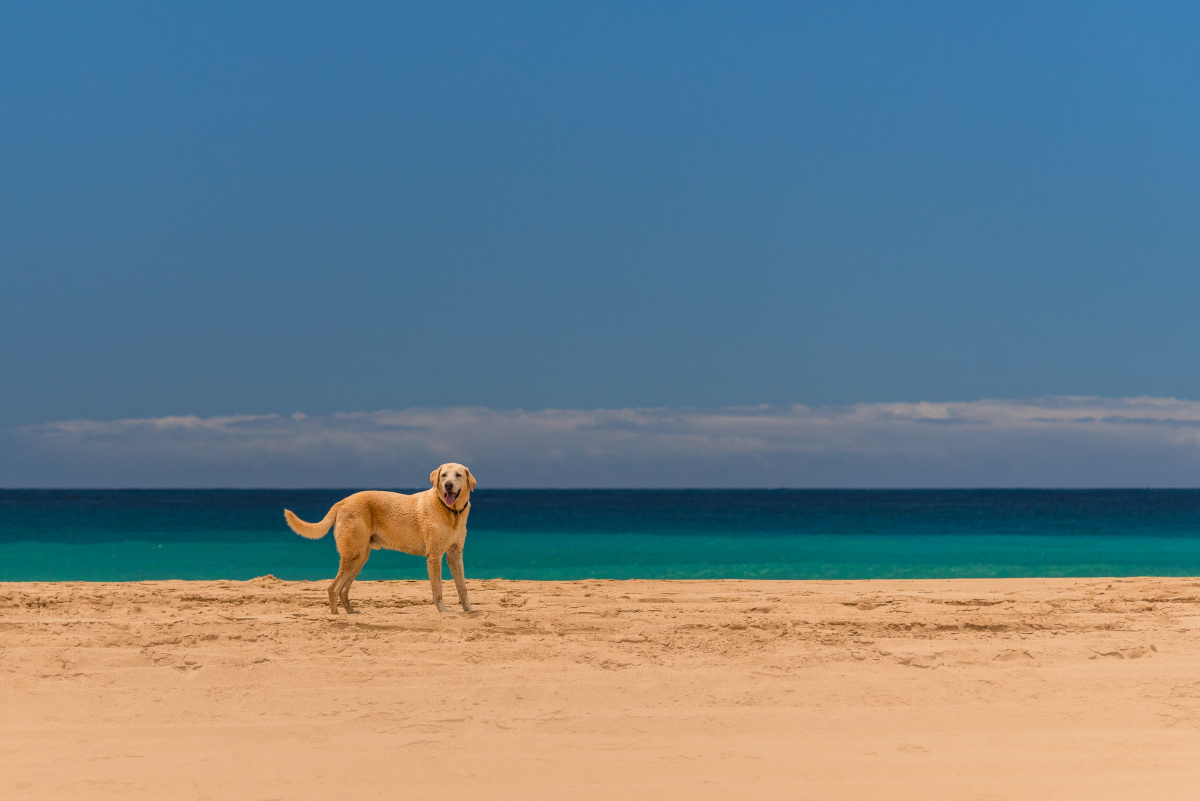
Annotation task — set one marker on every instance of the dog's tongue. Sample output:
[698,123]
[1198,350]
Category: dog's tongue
[451,497]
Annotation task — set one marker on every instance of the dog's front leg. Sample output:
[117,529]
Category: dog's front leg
[434,563]
[454,557]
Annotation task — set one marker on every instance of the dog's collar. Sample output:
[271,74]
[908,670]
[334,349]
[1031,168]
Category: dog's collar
[453,511]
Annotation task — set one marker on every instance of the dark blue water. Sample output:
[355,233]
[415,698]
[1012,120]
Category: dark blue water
[569,534]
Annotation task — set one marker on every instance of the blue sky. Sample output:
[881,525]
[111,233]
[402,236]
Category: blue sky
[251,209]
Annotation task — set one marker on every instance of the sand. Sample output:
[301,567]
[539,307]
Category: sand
[971,689]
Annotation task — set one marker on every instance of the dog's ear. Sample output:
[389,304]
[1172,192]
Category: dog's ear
[433,477]
[470,478]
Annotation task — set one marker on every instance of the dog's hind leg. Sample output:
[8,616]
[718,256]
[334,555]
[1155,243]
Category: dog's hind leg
[434,564]
[454,557]
[340,586]
[346,582]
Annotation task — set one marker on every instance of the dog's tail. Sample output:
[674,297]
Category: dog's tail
[312,531]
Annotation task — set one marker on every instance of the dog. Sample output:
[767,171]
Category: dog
[429,524]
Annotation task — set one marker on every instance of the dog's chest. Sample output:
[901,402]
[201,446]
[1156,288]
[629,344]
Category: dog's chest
[452,532]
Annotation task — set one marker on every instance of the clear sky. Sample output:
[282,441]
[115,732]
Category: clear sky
[251,208]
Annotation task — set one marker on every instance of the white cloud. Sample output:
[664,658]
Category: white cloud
[1058,441]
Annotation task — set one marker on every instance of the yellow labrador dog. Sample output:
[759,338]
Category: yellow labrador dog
[429,524]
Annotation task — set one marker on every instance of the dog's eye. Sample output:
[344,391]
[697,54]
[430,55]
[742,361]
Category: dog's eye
[458,475]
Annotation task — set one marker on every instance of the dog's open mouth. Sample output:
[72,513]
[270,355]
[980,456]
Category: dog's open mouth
[450,498]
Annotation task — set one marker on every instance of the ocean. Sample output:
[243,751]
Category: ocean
[130,535]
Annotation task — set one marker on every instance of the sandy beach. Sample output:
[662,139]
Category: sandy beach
[970,689]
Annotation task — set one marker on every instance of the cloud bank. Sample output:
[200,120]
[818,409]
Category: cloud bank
[1046,442]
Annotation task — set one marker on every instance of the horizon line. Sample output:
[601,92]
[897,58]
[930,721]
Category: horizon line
[1098,488]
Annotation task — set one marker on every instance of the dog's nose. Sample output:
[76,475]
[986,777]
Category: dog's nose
[449,486]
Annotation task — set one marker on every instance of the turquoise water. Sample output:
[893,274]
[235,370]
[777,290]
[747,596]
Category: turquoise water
[60,535]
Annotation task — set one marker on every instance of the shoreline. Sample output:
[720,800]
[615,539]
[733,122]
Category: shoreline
[864,688]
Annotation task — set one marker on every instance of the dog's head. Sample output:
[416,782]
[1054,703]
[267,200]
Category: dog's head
[453,484]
